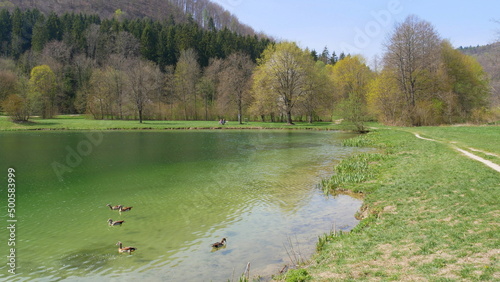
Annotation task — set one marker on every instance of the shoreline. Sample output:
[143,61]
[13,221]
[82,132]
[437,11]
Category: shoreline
[83,124]
[169,128]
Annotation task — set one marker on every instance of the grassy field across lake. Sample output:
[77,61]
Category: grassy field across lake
[79,122]
[431,214]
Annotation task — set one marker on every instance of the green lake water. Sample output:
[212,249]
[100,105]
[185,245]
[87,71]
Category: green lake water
[188,190]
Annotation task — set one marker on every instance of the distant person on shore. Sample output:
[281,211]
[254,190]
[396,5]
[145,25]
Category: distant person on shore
[222,121]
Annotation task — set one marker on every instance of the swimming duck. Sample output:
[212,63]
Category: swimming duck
[126,249]
[115,223]
[117,207]
[219,244]
[124,209]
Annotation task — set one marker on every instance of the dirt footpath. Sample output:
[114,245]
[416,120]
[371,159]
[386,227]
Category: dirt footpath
[469,154]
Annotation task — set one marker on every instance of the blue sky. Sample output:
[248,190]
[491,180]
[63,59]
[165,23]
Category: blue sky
[362,26]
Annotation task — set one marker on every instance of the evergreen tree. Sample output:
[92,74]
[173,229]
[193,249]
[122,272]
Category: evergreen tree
[66,21]
[40,34]
[77,33]
[188,36]
[211,25]
[334,59]
[162,48]
[149,43]
[325,56]
[116,26]
[54,29]
[5,32]
[17,33]
[207,49]
[314,55]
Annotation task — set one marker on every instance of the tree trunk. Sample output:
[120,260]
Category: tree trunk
[206,109]
[240,112]
[289,117]
[102,110]
[195,110]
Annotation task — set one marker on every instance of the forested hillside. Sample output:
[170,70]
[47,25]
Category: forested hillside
[119,67]
[75,48]
[178,10]
[489,57]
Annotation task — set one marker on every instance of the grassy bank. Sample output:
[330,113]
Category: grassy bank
[81,123]
[430,212]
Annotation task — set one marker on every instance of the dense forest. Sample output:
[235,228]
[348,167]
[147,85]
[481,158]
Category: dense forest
[120,67]
[201,11]
[77,46]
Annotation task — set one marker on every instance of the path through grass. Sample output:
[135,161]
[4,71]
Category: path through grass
[432,213]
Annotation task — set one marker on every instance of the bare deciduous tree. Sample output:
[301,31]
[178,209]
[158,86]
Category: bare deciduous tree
[235,81]
[92,35]
[209,83]
[99,101]
[412,53]
[186,77]
[142,80]
[126,45]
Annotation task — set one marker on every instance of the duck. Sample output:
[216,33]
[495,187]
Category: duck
[126,249]
[124,209]
[115,223]
[219,244]
[114,208]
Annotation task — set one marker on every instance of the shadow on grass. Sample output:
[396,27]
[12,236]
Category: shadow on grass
[159,123]
[35,123]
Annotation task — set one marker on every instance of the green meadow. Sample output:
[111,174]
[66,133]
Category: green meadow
[430,213]
[80,122]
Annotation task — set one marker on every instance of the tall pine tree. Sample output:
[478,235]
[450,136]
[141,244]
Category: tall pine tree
[5,31]
[149,43]
[54,29]
[40,34]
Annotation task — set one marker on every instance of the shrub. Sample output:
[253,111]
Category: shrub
[298,275]
[16,107]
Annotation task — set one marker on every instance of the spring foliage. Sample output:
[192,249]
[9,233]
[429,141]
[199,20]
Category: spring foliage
[125,68]
[425,81]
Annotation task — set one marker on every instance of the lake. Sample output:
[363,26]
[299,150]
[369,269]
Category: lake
[188,189]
